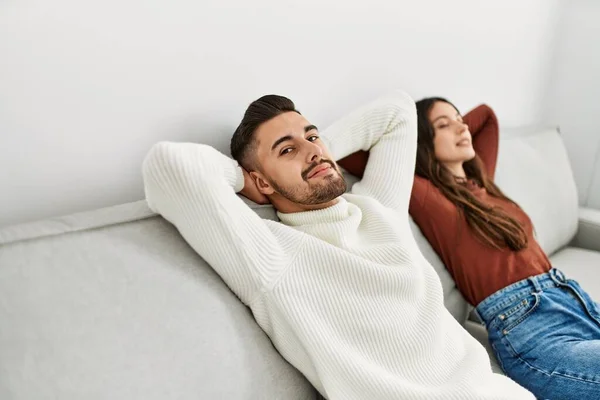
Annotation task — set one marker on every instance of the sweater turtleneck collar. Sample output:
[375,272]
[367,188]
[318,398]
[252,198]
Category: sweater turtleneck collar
[336,212]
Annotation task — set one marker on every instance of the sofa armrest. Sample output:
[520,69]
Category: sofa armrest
[588,233]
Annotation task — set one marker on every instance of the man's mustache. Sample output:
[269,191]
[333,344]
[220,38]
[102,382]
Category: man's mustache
[315,165]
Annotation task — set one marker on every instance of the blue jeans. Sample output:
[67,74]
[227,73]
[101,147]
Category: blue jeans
[545,332]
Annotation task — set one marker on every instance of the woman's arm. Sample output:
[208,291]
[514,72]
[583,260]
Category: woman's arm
[355,163]
[483,125]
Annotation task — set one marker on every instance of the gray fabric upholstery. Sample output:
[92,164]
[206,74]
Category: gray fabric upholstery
[588,234]
[127,311]
[583,266]
[75,222]
[593,199]
[534,170]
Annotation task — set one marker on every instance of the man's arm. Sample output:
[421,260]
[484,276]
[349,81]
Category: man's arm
[387,129]
[483,125]
[194,187]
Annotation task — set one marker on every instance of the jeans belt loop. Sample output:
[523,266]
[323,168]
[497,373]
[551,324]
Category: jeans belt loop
[557,276]
[536,284]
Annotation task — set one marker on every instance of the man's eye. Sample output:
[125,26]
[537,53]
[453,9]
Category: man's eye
[286,151]
[313,138]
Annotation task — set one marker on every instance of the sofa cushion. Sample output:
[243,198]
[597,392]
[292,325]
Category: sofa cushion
[593,199]
[588,232]
[126,311]
[581,265]
[534,170]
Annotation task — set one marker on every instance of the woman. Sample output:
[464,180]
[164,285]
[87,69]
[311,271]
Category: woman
[544,329]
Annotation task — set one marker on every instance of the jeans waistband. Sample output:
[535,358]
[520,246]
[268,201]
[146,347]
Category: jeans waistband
[498,301]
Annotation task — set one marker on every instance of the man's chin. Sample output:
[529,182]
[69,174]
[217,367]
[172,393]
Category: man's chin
[335,187]
[333,180]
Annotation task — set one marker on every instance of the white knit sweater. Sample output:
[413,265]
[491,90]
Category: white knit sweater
[344,292]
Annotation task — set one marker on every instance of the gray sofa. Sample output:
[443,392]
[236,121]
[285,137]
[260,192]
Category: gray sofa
[113,304]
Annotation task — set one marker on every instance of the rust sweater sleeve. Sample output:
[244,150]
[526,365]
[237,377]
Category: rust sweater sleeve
[355,163]
[483,125]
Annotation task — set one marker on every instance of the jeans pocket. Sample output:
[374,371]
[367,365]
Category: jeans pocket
[516,313]
[516,327]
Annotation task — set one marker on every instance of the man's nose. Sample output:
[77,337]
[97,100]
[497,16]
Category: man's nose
[314,153]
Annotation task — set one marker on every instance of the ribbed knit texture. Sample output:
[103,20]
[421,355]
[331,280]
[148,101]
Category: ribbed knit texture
[344,292]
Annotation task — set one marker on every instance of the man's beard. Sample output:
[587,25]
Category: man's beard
[331,187]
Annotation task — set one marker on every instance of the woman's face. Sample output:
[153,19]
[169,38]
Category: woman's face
[452,139]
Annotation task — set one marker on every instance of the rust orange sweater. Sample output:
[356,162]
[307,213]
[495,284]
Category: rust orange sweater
[478,269]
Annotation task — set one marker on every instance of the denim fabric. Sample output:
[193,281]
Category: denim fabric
[545,332]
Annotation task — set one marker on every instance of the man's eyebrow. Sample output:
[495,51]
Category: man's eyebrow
[309,128]
[281,140]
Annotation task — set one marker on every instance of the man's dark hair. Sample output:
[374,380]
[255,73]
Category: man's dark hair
[259,111]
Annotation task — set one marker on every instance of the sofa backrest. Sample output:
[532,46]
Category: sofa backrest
[534,170]
[113,304]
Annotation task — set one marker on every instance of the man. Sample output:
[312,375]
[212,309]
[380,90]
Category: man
[339,285]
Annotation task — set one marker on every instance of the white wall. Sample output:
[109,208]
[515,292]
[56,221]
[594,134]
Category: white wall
[573,93]
[87,87]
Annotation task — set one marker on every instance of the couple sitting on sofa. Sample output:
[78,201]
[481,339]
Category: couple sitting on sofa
[339,284]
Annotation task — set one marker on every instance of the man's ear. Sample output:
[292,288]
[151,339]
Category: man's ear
[261,183]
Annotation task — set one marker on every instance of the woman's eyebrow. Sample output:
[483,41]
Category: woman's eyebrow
[440,117]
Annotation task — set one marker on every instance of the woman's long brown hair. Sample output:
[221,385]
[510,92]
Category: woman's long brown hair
[490,224]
